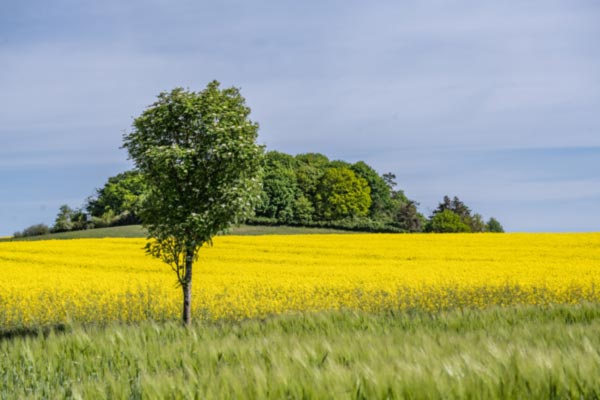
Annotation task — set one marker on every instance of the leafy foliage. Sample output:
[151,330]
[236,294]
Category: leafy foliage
[381,199]
[447,221]
[407,217]
[342,194]
[63,219]
[69,219]
[279,188]
[300,191]
[33,230]
[120,198]
[456,206]
[474,222]
[310,168]
[494,226]
[477,224]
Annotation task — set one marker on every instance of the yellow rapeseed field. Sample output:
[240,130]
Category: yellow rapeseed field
[48,282]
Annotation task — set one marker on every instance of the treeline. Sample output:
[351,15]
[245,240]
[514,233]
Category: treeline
[302,190]
[310,190]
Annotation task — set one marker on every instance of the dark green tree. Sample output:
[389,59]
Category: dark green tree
[310,167]
[120,197]
[381,196]
[407,217]
[339,164]
[309,170]
[33,230]
[477,223]
[390,180]
[341,194]
[494,226]
[459,208]
[303,209]
[279,194]
[276,159]
[199,159]
[456,206]
[314,159]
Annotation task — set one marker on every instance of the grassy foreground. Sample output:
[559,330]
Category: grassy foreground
[522,352]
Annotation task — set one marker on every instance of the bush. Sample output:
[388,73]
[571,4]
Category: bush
[357,225]
[33,230]
[109,219]
[494,226]
[446,222]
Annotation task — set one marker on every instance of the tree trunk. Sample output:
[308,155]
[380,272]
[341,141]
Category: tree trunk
[187,288]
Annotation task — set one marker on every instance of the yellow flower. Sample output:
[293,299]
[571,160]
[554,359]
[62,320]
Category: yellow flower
[101,280]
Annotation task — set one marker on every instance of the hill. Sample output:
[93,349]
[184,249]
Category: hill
[137,231]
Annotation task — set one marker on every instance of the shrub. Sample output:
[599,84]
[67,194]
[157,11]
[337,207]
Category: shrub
[446,221]
[494,226]
[357,225]
[33,230]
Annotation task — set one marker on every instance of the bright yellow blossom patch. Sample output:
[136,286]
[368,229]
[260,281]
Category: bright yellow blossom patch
[47,282]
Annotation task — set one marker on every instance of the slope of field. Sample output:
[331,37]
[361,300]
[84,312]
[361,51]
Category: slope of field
[521,352]
[137,231]
[103,280]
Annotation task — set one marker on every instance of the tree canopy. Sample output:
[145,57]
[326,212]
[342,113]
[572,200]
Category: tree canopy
[447,221]
[452,215]
[342,194]
[381,199]
[119,199]
[306,189]
[494,226]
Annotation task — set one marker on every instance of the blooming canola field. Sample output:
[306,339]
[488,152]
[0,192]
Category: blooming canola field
[103,280]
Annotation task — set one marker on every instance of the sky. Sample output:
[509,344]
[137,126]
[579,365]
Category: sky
[497,103]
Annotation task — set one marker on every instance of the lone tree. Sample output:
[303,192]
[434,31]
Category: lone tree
[198,156]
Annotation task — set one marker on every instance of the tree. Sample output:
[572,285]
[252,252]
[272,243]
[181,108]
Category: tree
[120,197]
[477,224]
[446,221]
[494,226]
[456,206]
[339,164]
[341,194]
[314,159]
[303,209]
[280,187]
[381,196]
[277,159]
[33,230]
[198,156]
[63,221]
[390,180]
[407,217]
[279,194]
[309,170]
[69,219]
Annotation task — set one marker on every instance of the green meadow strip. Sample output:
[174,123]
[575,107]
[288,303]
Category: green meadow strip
[498,353]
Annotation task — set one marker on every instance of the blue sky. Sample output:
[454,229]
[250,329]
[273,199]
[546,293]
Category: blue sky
[497,103]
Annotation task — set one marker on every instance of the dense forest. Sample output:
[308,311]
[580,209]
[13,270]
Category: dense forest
[302,190]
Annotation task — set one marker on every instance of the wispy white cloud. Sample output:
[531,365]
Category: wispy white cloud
[406,86]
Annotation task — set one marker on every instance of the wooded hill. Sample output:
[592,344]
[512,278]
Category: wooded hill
[302,190]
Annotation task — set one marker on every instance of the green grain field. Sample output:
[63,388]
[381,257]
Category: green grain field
[523,352]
